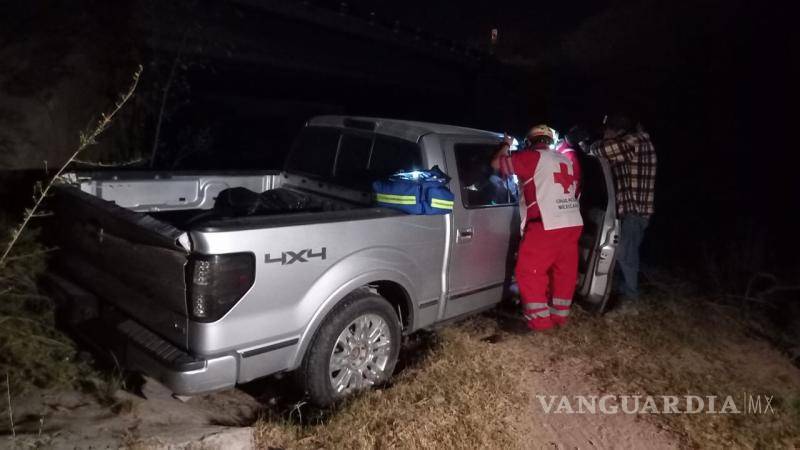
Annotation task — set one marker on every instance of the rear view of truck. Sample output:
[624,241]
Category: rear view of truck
[131,285]
[207,280]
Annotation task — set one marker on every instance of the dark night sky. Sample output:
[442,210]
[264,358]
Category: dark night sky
[692,72]
[527,26]
[706,77]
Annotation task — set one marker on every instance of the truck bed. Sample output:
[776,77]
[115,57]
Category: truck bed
[195,199]
[252,206]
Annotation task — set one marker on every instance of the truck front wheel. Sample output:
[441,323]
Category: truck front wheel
[354,349]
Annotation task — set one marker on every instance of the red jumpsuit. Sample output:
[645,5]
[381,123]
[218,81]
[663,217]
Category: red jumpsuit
[547,265]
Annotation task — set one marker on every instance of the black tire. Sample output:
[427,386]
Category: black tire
[314,373]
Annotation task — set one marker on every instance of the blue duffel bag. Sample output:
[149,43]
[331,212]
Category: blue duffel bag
[416,192]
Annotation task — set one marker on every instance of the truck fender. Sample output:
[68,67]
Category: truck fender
[357,269]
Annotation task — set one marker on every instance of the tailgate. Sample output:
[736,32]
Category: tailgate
[126,258]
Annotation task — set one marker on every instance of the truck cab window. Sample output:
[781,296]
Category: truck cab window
[390,155]
[353,156]
[353,159]
[314,152]
[480,185]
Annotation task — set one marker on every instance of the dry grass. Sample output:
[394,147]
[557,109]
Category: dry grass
[462,395]
[465,393]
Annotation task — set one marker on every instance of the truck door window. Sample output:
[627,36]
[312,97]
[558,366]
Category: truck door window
[480,185]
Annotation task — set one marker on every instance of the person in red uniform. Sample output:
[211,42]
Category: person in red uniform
[551,225]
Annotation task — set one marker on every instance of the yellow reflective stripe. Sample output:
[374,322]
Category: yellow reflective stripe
[441,204]
[397,202]
[397,199]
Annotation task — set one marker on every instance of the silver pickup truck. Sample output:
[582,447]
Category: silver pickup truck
[207,280]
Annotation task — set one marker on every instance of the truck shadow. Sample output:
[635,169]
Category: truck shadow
[283,401]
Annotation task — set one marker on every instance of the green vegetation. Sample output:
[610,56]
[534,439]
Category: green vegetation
[33,353]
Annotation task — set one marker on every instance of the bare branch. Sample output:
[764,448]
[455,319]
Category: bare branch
[749,299]
[102,164]
[31,255]
[165,96]
[87,138]
[10,411]
[759,276]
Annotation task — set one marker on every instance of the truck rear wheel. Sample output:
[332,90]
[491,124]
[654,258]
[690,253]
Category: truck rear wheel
[354,349]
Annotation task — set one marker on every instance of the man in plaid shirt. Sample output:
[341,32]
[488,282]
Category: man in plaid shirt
[633,163]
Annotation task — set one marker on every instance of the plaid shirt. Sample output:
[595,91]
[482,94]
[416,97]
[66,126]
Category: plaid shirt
[633,162]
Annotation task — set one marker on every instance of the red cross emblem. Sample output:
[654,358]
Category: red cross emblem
[564,178]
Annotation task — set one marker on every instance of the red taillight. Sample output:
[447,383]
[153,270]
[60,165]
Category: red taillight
[217,282]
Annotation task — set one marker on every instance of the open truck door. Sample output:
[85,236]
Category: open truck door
[598,243]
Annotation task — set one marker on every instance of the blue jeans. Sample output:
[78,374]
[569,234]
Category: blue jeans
[630,239]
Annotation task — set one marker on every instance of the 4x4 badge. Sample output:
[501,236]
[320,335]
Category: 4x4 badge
[289,257]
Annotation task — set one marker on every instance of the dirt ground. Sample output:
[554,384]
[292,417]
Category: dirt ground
[471,385]
[567,431]
[74,420]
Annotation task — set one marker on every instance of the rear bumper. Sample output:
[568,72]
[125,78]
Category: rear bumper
[137,348]
[175,369]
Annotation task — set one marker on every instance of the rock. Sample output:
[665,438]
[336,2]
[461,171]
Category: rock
[152,389]
[207,438]
[182,398]
[229,439]
[204,438]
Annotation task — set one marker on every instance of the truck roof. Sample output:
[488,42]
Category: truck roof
[404,129]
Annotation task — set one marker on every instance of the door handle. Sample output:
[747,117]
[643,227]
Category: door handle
[464,234]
